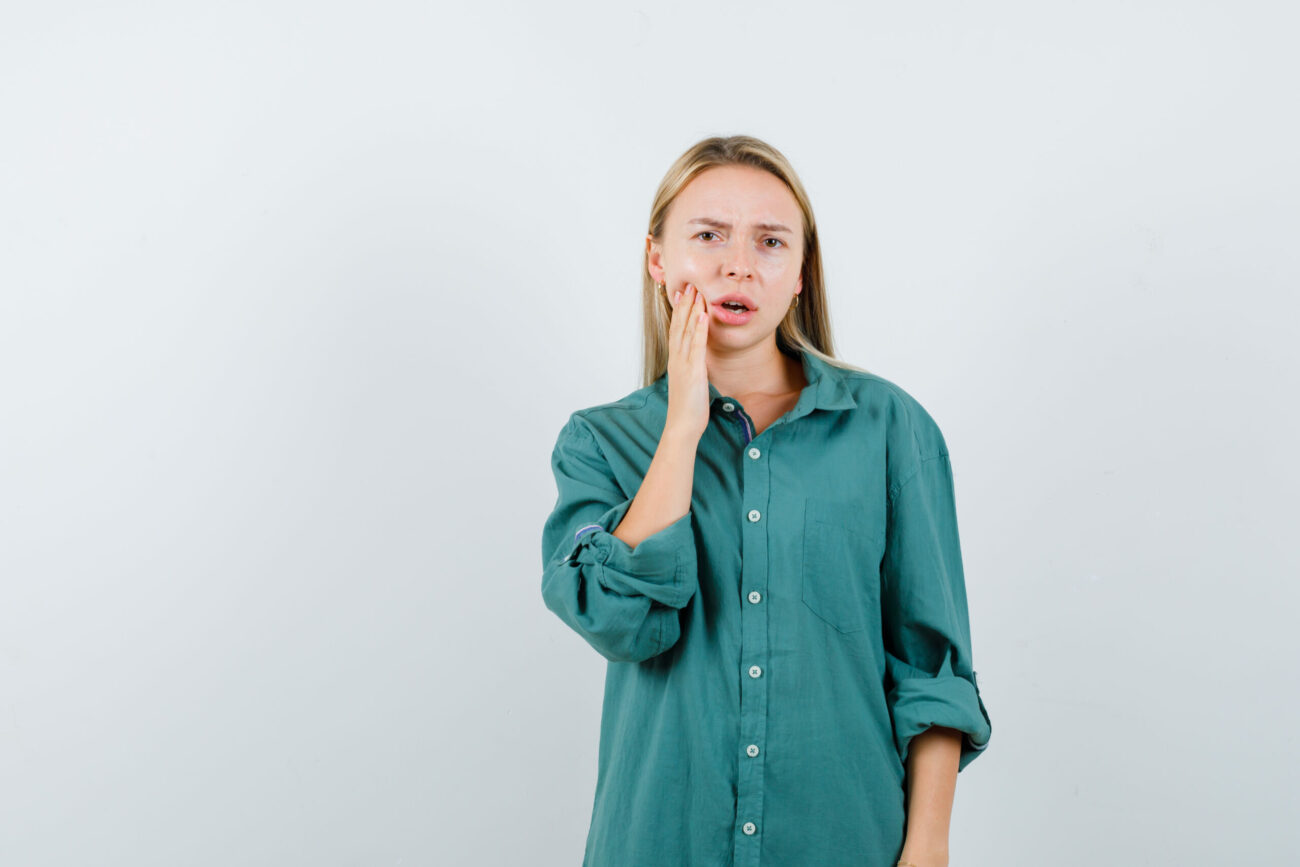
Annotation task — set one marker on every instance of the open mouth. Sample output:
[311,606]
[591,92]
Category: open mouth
[734,306]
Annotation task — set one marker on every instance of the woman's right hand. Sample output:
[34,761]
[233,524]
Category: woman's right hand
[688,378]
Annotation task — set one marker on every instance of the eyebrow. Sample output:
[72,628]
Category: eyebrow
[719,224]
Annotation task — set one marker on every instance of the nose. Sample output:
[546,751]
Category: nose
[738,262]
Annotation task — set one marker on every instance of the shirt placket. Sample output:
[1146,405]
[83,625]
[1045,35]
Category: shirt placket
[752,749]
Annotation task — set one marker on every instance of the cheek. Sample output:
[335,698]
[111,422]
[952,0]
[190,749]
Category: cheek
[692,266]
[780,268]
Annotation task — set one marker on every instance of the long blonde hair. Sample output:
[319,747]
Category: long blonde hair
[806,326]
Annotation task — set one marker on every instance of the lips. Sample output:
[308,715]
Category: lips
[735,297]
[726,316]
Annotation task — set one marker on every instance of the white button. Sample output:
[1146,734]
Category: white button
[754,453]
[754,515]
[752,750]
[749,828]
[755,671]
[728,406]
[755,596]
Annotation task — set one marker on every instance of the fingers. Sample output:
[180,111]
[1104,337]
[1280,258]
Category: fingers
[682,307]
[675,320]
[701,335]
[688,326]
[692,314]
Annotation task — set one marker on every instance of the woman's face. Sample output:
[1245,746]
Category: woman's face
[733,230]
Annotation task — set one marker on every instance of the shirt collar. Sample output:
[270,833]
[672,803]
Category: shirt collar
[826,389]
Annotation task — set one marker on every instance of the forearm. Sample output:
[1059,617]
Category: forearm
[665,492]
[932,758]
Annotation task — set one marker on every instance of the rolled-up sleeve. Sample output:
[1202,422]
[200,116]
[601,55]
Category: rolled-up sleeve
[623,600]
[930,681]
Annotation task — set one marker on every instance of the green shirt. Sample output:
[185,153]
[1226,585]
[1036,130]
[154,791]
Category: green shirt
[772,651]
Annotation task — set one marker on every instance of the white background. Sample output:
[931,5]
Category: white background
[295,298]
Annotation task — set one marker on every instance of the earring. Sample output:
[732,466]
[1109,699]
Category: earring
[659,287]
[796,301]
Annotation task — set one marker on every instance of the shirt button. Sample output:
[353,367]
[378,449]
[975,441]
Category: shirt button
[754,515]
[755,596]
[755,671]
[754,453]
[752,750]
[728,406]
[749,828]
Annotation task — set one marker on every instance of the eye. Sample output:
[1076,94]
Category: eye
[705,232]
[778,240]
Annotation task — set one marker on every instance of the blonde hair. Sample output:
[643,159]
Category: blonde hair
[806,327]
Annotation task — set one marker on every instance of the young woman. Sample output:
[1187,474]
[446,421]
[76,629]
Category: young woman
[762,541]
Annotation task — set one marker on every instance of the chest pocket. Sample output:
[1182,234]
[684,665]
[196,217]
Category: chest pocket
[842,547]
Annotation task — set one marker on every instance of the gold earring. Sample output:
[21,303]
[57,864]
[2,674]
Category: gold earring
[796,301]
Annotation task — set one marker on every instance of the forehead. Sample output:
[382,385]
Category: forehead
[738,194]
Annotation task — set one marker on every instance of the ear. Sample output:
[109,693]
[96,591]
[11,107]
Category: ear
[654,259]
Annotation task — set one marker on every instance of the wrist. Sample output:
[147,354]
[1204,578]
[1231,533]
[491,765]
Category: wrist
[677,437]
[917,854]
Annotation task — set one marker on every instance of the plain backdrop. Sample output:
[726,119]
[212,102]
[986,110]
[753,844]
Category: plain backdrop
[295,297]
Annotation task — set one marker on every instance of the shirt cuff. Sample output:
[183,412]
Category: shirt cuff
[948,700]
[661,566]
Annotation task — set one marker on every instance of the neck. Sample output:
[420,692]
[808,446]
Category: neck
[756,370]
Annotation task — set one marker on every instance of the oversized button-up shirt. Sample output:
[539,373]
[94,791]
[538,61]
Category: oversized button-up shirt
[772,652]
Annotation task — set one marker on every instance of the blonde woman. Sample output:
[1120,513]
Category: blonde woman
[762,542]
